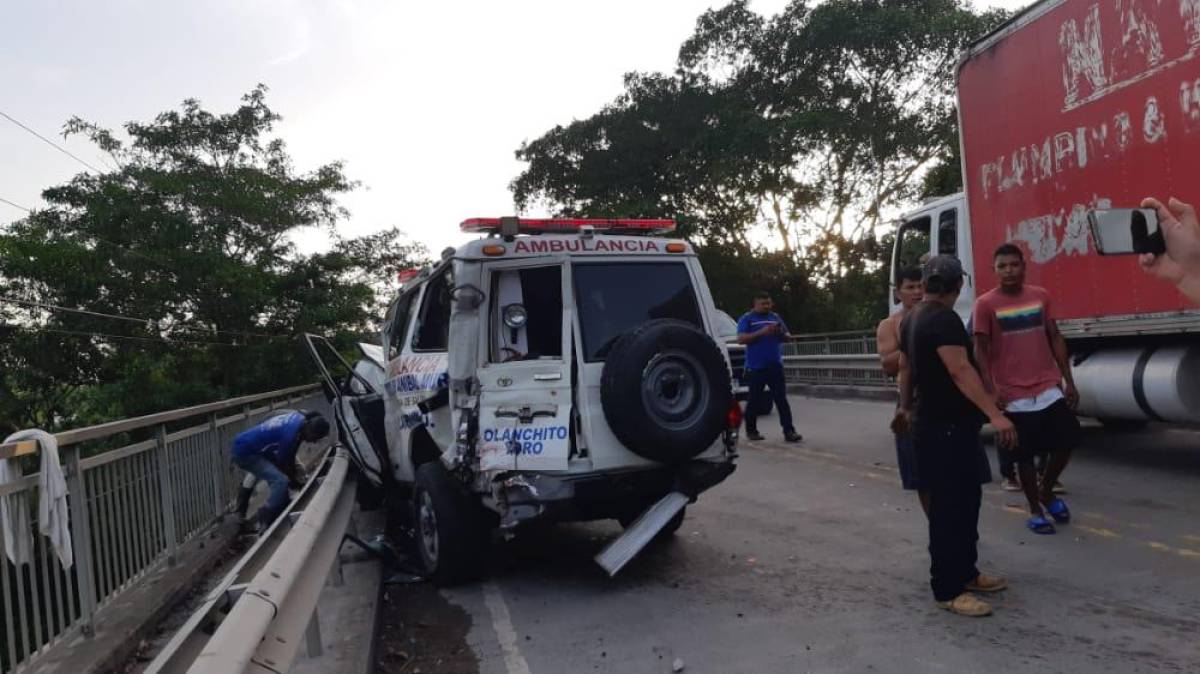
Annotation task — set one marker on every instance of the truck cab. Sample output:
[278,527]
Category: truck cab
[940,226]
[1044,141]
[1128,369]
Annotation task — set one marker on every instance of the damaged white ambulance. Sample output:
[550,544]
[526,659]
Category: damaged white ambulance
[554,369]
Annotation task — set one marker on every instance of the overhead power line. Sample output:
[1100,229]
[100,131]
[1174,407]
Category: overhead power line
[51,307]
[15,205]
[102,335]
[72,156]
[132,319]
[49,142]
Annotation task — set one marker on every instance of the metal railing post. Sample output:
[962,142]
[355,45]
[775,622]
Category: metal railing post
[337,575]
[81,538]
[221,476]
[312,637]
[167,492]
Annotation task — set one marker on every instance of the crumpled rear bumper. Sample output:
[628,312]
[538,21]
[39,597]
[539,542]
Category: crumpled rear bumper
[521,497]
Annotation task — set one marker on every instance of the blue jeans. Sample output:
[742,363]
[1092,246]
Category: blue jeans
[264,470]
[772,378]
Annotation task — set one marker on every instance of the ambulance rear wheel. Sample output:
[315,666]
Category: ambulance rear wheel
[451,538]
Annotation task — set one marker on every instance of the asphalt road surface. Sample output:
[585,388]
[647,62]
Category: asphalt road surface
[811,559]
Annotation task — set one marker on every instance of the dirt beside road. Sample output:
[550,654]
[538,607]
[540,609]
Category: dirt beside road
[422,633]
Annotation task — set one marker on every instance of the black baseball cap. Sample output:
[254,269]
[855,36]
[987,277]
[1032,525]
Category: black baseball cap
[944,270]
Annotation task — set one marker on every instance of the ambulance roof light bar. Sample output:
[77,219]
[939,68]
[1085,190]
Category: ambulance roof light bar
[509,226]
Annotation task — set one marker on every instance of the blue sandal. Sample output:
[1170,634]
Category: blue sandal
[1040,525]
[1059,511]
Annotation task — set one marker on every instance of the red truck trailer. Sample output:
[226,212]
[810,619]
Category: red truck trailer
[1074,105]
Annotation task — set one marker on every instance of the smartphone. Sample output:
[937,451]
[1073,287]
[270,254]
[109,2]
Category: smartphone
[1126,231]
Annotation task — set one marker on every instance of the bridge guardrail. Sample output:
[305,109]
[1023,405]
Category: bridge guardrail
[254,618]
[130,508]
[835,359]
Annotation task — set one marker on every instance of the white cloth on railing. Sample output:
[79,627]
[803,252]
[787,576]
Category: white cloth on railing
[14,514]
[54,520]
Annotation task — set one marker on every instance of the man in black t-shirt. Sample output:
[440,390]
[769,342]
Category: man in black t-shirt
[936,368]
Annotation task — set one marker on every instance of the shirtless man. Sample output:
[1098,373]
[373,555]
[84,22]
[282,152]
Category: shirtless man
[887,338]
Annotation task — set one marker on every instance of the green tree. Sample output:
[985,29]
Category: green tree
[192,232]
[945,176]
[810,126]
[859,95]
[668,146]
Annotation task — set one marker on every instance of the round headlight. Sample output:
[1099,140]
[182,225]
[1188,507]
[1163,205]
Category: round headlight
[515,316]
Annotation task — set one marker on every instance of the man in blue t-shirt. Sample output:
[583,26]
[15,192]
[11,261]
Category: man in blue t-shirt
[267,452]
[763,332]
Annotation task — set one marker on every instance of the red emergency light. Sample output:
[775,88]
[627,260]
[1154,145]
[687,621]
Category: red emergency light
[514,226]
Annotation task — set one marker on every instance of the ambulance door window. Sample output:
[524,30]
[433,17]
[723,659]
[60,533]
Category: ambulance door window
[614,298]
[398,327]
[527,314]
[433,328]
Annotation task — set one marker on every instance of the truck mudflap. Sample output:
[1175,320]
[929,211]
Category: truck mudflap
[618,553]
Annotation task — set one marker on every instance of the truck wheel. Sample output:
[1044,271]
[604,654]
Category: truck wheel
[450,537]
[665,391]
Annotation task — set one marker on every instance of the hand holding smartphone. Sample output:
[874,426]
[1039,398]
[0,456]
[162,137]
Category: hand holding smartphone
[1126,231]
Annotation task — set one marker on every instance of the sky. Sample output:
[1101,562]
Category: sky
[425,102]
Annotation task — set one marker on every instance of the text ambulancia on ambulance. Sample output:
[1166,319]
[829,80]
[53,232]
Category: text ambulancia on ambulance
[553,369]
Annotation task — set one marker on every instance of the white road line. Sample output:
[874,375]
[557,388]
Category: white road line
[514,662]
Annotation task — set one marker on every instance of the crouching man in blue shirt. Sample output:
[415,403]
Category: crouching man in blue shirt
[763,332]
[268,453]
